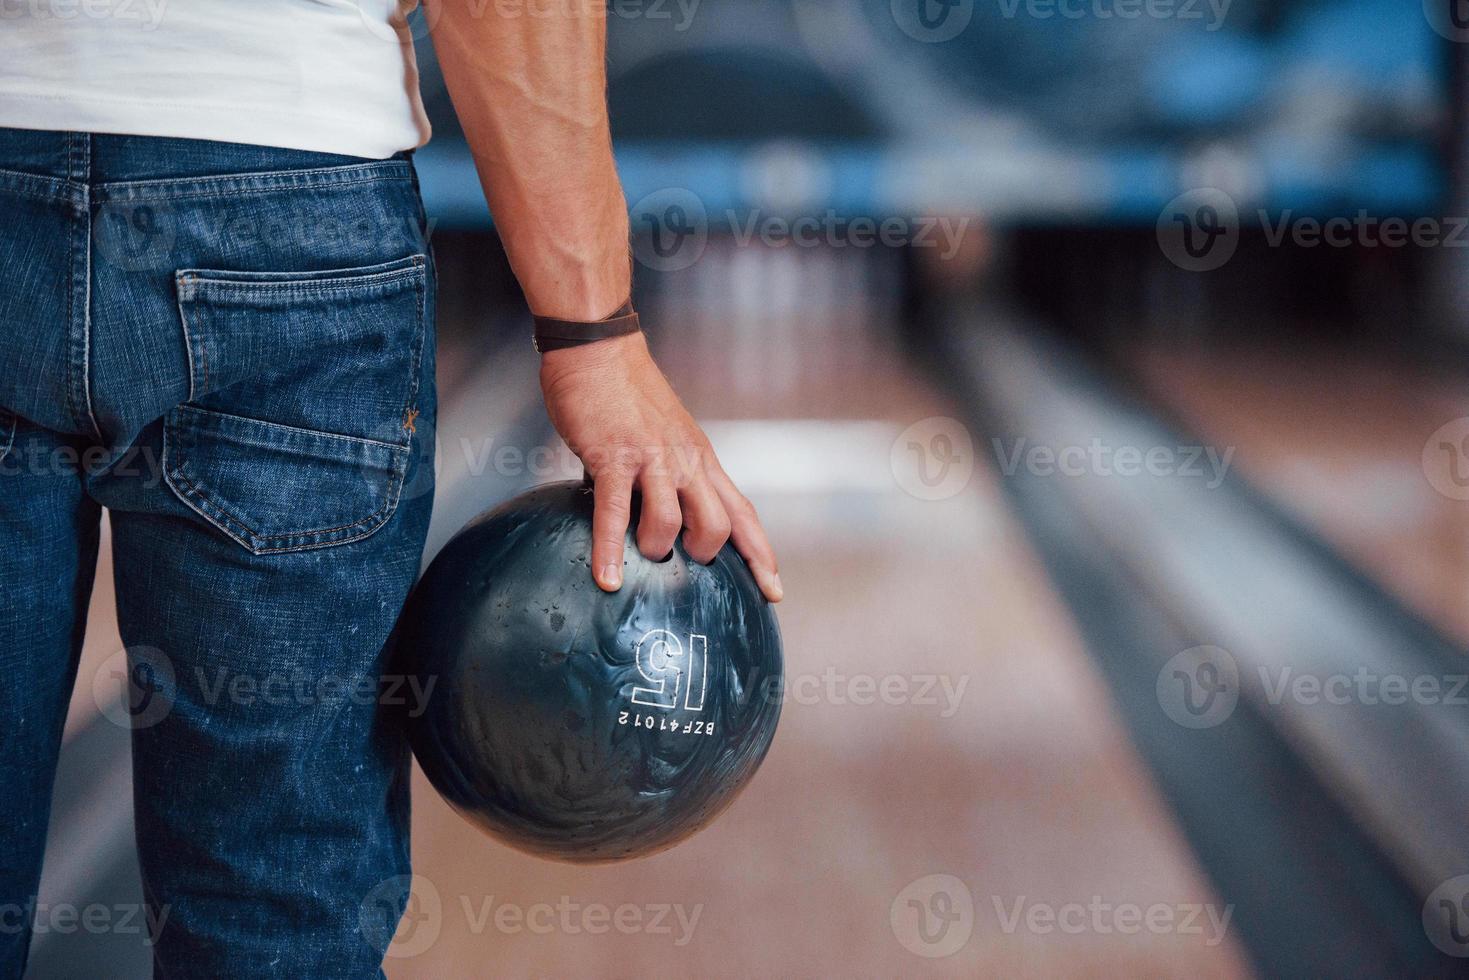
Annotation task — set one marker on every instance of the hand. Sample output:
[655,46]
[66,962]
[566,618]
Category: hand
[618,413]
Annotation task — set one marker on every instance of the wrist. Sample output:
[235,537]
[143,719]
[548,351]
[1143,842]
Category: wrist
[582,294]
[597,356]
[554,334]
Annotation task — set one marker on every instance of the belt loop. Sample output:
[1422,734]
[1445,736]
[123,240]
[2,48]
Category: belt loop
[79,389]
[79,157]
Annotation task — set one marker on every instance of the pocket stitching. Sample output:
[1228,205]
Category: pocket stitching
[421,288]
[315,433]
[186,291]
[269,182]
[310,288]
[415,274]
[191,489]
[384,511]
[224,517]
[189,347]
[257,543]
[307,281]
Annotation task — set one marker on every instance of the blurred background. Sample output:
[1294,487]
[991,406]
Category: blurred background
[1096,367]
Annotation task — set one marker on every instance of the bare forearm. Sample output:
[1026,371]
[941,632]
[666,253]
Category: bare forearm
[529,85]
[530,92]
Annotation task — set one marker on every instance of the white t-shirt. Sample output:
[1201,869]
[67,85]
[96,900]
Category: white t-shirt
[336,76]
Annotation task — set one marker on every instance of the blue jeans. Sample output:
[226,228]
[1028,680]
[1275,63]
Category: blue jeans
[231,349]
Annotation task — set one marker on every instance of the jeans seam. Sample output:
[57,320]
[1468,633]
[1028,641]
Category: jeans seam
[248,188]
[319,433]
[421,287]
[343,173]
[39,186]
[301,287]
[87,337]
[193,341]
[79,293]
[193,489]
[385,512]
[71,244]
[258,543]
[178,299]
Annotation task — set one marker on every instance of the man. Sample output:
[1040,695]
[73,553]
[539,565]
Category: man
[216,322]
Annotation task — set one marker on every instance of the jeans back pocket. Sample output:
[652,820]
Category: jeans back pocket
[299,428]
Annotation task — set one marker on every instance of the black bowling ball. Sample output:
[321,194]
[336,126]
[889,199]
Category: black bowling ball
[576,724]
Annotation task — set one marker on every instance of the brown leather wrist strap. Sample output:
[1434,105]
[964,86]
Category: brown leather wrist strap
[553,334]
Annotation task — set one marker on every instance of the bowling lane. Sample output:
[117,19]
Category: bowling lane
[941,717]
[1363,449]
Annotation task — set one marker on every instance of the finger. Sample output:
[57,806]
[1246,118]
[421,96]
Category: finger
[611,507]
[660,519]
[749,536]
[706,522]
